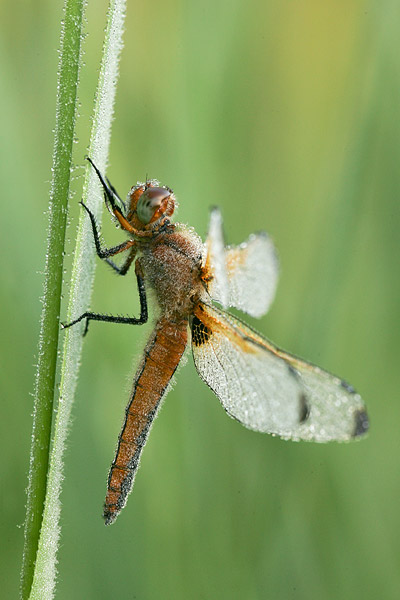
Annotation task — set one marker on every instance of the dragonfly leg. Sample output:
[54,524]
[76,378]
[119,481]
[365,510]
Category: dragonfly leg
[91,316]
[109,197]
[109,191]
[114,191]
[105,253]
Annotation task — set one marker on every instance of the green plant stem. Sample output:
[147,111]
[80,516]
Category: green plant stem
[71,36]
[44,580]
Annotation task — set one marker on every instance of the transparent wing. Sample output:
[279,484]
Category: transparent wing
[215,263]
[269,390]
[256,387]
[252,270]
[336,411]
[243,276]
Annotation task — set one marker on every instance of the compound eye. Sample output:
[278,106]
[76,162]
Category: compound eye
[150,202]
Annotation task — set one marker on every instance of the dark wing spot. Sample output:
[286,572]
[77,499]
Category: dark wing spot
[304,408]
[361,423]
[349,388]
[200,332]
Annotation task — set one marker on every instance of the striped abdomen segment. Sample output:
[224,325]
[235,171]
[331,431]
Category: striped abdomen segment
[161,357]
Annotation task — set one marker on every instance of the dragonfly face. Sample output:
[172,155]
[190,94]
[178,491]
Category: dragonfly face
[149,204]
[259,385]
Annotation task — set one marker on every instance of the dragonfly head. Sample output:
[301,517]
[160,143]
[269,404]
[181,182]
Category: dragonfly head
[150,204]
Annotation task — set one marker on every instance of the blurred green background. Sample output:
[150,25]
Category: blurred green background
[286,114]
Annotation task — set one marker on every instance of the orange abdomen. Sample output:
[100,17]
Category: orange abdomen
[161,357]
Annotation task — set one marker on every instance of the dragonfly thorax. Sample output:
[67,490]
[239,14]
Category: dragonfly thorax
[172,268]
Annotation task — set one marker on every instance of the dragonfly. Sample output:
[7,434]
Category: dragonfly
[263,387]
